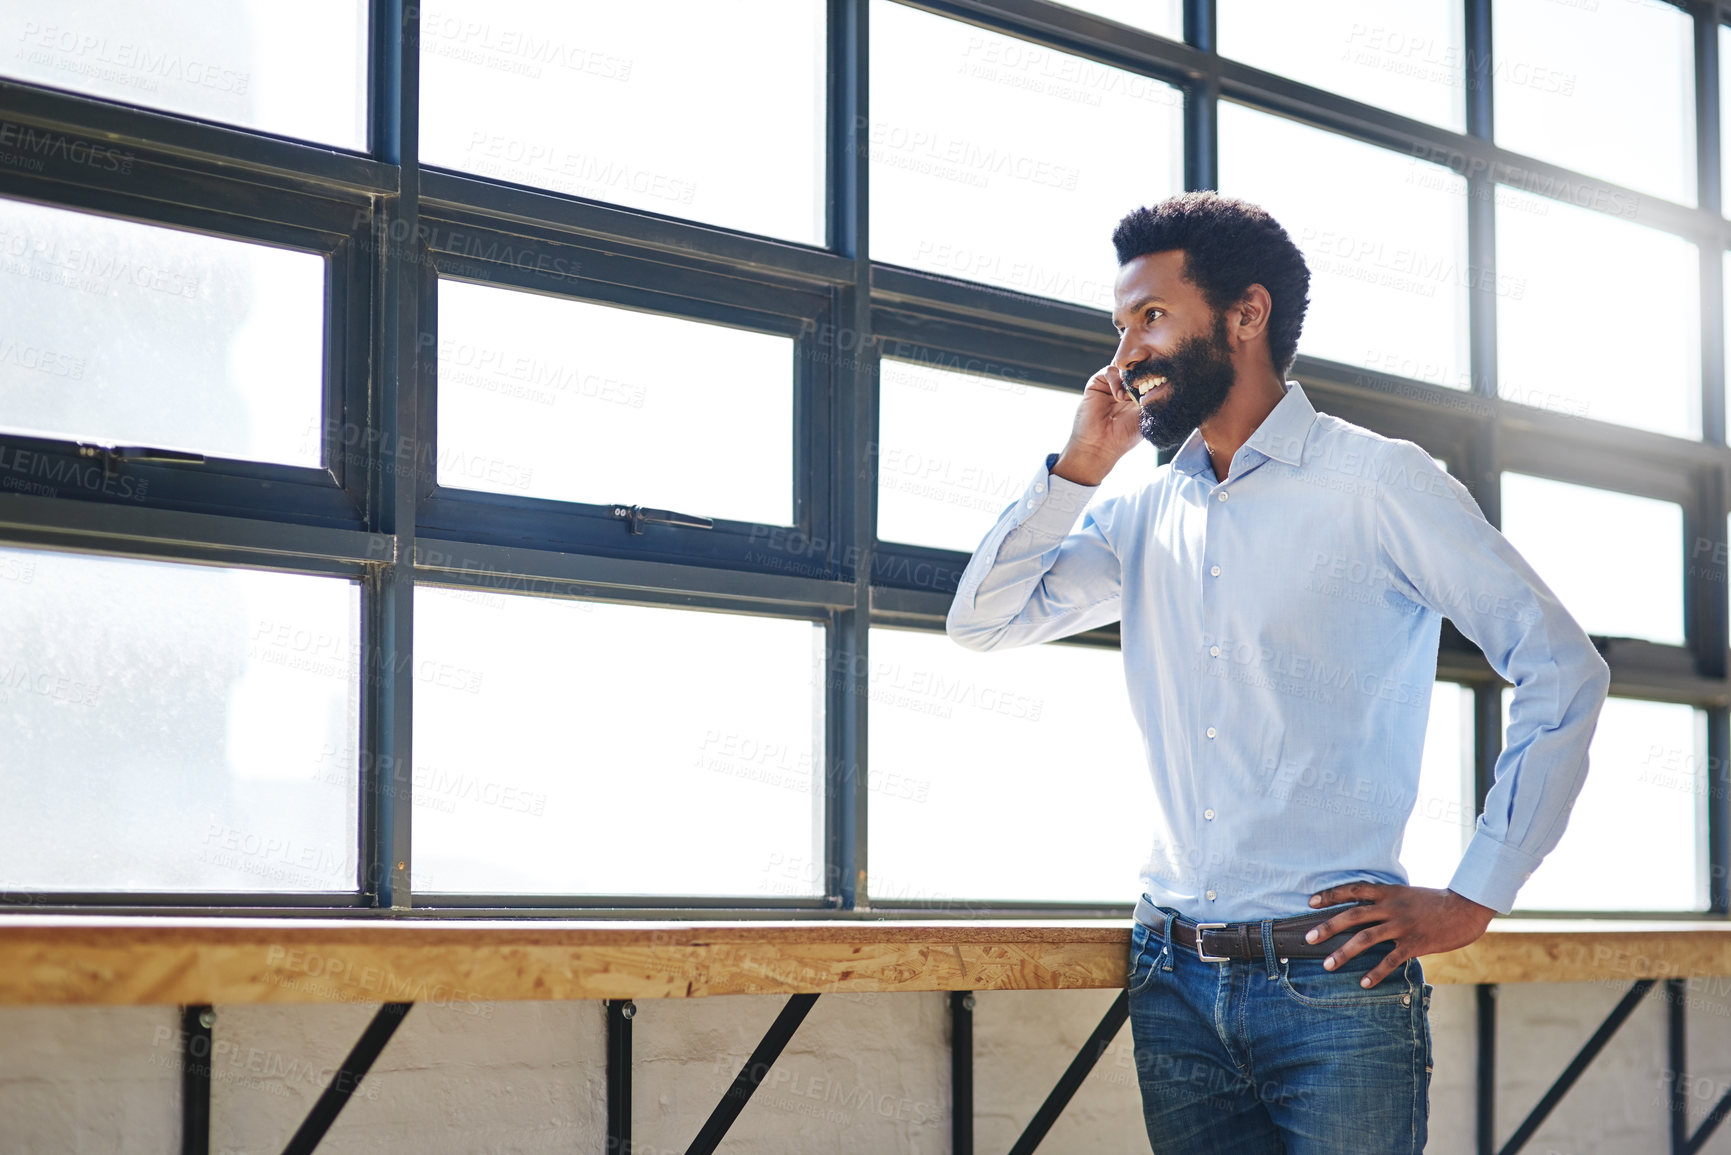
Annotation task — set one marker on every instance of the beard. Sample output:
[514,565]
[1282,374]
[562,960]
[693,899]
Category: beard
[1198,375]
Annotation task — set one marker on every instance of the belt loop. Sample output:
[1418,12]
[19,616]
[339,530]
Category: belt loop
[1171,916]
[1268,955]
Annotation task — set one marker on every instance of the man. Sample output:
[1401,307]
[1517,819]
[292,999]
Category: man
[1281,585]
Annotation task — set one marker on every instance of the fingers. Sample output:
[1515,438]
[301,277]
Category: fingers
[1350,917]
[1362,941]
[1112,382]
[1382,969]
[1345,892]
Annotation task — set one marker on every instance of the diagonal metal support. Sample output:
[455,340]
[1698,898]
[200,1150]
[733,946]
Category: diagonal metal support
[195,1059]
[1581,1061]
[1708,1125]
[1079,1068]
[347,1078]
[756,1067]
[1677,1099]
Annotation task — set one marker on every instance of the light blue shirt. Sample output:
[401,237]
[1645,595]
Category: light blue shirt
[1279,638]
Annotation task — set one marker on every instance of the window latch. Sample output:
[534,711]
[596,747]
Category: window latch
[637,515]
[113,455]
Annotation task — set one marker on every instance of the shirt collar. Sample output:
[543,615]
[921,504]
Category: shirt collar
[1281,435]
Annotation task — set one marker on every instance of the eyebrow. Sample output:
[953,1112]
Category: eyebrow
[1136,306]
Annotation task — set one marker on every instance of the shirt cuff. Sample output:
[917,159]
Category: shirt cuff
[1050,503]
[1491,873]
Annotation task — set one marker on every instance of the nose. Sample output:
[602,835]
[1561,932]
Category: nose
[1131,352]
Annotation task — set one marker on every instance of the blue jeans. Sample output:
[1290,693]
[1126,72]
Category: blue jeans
[1277,1055]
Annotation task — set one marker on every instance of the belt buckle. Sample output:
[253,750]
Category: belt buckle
[1202,926]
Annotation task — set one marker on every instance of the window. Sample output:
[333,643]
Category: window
[1556,349]
[1443,814]
[956,448]
[1161,17]
[1633,124]
[621,103]
[538,479]
[1625,578]
[1389,244]
[1647,785]
[574,401]
[975,136]
[207,718]
[1028,757]
[1404,58]
[580,748]
[240,63]
[122,333]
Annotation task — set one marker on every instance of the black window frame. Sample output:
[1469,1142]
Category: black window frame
[387,226]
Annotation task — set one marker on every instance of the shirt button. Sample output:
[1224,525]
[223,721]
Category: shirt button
[1211,896]
[1038,488]
[1223,495]
[1214,651]
[1209,814]
[1211,731]
[1214,571]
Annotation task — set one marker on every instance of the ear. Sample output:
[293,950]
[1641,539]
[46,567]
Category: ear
[1248,319]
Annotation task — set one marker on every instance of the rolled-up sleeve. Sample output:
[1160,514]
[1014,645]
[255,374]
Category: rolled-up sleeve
[1032,580]
[1442,553]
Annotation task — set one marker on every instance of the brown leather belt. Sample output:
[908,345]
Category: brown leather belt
[1220,941]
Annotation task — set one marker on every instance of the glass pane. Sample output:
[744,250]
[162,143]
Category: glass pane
[176,727]
[560,748]
[1724,125]
[1625,577]
[1390,243]
[1608,89]
[1557,348]
[685,107]
[956,449]
[127,334]
[1161,17]
[1646,787]
[1408,58]
[241,62]
[1016,775]
[548,397]
[1443,816]
[1003,162]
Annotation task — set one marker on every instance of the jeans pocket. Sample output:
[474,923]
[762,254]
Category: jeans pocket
[1304,980]
[1146,950]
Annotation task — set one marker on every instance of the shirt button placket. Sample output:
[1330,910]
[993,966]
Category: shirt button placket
[1213,616]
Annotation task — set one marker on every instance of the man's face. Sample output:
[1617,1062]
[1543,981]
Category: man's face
[1173,350]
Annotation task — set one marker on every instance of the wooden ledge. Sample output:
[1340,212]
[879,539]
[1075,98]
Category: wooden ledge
[468,963]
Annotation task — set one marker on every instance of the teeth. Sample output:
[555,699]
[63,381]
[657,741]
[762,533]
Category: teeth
[1148,383]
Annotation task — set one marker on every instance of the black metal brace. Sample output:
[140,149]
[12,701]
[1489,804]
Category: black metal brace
[751,1075]
[195,1036]
[1588,1052]
[962,1072]
[347,1078]
[1072,1080]
[620,1012]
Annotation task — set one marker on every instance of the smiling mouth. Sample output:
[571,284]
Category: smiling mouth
[1148,385]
